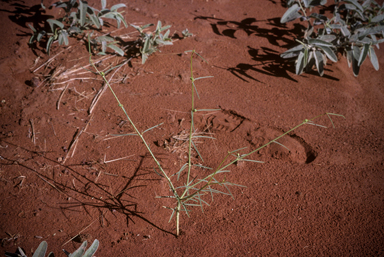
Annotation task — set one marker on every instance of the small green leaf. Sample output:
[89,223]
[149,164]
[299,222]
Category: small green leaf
[116,49]
[80,251]
[32,28]
[103,4]
[92,249]
[74,29]
[350,7]
[328,51]
[144,57]
[349,57]
[363,54]
[291,14]
[373,30]
[94,18]
[306,56]
[40,35]
[373,58]
[356,56]
[356,4]
[55,22]
[166,35]
[378,18]
[300,64]
[356,52]
[318,42]
[104,38]
[49,43]
[83,6]
[60,5]
[63,37]
[345,31]
[165,28]
[319,62]
[158,27]
[42,5]
[327,38]
[109,15]
[146,45]
[117,6]
[41,250]
[146,26]
[31,39]
[121,18]
[293,52]
[103,46]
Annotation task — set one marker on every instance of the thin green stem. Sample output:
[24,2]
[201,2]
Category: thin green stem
[301,7]
[192,113]
[133,125]
[221,168]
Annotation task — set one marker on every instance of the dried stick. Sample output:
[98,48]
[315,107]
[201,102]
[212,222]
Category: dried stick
[61,96]
[104,88]
[50,60]
[75,140]
[82,230]
[118,159]
[33,132]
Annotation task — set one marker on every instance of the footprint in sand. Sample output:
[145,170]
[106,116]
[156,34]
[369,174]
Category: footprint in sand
[288,148]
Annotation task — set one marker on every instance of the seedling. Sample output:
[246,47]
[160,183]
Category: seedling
[77,22]
[193,191]
[149,42]
[42,249]
[354,29]
[186,33]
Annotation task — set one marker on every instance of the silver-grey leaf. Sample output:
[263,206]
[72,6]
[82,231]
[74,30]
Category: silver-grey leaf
[117,6]
[293,52]
[92,249]
[116,49]
[291,14]
[328,51]
[300,63]
[363,54]
[319,62]
[373,58]
[41,250]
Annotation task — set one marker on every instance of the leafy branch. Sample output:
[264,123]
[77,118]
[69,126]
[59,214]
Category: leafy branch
[77,22]
[355,28]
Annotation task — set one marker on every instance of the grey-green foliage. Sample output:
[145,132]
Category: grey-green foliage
[149,42]
[80,251]
[353,29]
[77,22]
[186,33]
[42,249]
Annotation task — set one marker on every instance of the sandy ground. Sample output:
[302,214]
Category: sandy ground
[324,197]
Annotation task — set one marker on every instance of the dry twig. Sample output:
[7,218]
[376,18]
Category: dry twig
[61,96]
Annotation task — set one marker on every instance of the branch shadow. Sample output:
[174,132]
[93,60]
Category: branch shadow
[23,14]
[266,60]
[90,189]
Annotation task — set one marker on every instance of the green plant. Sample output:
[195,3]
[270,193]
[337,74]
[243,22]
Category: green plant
[186,33]
[192,191]
[354,28]
[42,249]
[149,42]
[77,22]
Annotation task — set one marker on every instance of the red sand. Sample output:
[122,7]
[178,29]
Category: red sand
[324,198]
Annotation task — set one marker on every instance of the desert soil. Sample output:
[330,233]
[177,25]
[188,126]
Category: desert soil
[324,197]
